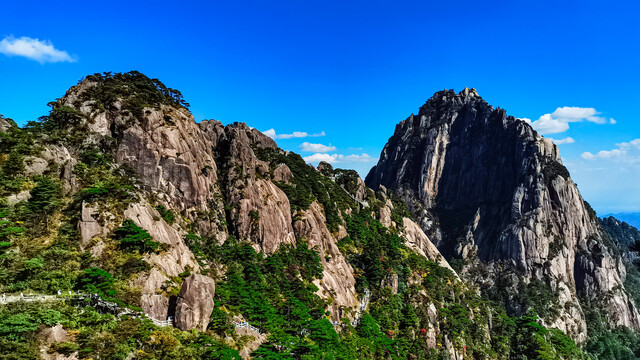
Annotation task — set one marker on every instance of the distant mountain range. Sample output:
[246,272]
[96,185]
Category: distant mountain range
[631,218]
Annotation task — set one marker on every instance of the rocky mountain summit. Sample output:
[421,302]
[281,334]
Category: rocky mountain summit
[492,192]
[467,241]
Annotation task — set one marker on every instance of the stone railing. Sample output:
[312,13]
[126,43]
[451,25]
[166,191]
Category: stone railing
[168,322]
[245,324]
[92,299]
[363,307]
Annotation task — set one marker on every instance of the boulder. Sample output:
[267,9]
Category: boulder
[195,303]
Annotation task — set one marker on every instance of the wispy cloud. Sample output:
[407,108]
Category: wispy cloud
[567,140]
[558,121]
[296,134]
[626,152]
[34,49]
[317,148]
[339,158]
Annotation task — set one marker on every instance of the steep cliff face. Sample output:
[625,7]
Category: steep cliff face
[206,172]
[120,192]
[337,280]
[486,184]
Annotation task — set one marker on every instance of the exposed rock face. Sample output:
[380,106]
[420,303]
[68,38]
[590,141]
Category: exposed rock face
[259,210]
[252,345]
[282,173]
[172,159]
[337,280]
[171,262]
[58,155]
[5,125]
[178,163]
[88,224]
[19,197]
[265,216]
[418,241]
[50,336]
[195,303]
[154,305]
[178,256]
[385,217]
[165,147]
[500,190]
[361,192]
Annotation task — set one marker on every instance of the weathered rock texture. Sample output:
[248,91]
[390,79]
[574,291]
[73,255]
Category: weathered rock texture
[337,278]
[418,241]
[170,263]
[5,124]
[50,336]
[195,303]
[88,224]
[190,169]
[499,190]
[265,216]
[170,157]
[257,338]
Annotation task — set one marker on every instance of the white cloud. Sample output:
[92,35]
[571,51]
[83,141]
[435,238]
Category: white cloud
[270,133]
[546,124]
[34,49]
[331,159]
[339,158]
[296,134]
[626,152]
[578,114]
[567,140]
[317,148]
[558,121]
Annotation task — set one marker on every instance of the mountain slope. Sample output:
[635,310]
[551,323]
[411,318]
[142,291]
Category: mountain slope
[119,193]
[632,218]
[488,187]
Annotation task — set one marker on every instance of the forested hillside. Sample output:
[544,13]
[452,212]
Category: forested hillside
[249,252]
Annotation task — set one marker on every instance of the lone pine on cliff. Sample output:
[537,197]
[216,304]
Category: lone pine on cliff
[468,239]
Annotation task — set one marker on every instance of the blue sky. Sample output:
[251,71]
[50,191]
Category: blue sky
[349,71]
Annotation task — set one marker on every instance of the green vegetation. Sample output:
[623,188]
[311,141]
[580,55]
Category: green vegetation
[98,336]
[167,215]
[96,281]
[417,309]
[308,185]
[552,169]
[136,90]
[464,317]
[134,238]
[45,197]
[609,344]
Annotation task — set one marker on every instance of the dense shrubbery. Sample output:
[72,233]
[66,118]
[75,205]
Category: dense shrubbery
[308,185]
[133,88]
[166,214]
[552,169]
[377,254]
[96,281]
[134,238]
[101,336]
[276,294]
[40,252]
